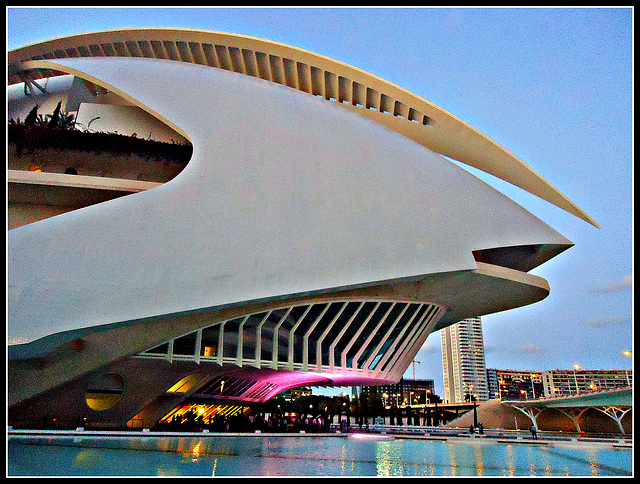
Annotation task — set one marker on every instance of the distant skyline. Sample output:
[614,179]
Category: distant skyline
[552,85]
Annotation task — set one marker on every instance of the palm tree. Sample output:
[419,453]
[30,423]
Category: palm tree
[32,117]
[55,117]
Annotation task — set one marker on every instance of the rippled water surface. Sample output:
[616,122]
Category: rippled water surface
[307,456]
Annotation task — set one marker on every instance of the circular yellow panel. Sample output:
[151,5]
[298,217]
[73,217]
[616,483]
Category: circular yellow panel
[105,391]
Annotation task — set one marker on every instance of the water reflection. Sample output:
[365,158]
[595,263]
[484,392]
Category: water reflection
[511,464]
[389,458]
[305,456]
[88,458]
[452,460]
[591,456]
[194,455]
[429,460]
[479,462]
[383,459]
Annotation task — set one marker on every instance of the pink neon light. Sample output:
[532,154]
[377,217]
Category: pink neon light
[371,437]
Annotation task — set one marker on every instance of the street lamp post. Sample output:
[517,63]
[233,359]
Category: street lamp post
[575,378]
[475,415]
[533,390]
[414,368]
[627,353]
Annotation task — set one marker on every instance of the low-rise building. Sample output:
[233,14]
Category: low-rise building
[514,384]
[561,383]
[405,392]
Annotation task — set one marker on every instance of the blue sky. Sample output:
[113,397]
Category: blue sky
[553,86]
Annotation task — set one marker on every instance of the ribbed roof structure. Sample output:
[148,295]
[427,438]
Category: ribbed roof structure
[347,86]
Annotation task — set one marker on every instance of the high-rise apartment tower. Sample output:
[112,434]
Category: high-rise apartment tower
[463,363]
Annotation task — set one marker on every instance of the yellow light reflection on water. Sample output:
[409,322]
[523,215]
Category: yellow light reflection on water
[546,462]
[389,460]
[479,462]
[196,451]
[593,462]
[452,460]
[87,458]
[429,461]
[511,465]
[383,460]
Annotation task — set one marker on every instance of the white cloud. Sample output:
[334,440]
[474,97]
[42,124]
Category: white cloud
[598,323]
[625,283]
[531,348]
[430,348]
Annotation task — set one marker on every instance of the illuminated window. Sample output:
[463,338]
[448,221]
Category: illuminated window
[137,422]
[184,385]
[210,337]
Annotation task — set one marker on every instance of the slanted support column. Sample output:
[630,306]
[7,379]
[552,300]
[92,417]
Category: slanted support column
[323,336]
[574,414]
[198,348]
[276,341]
[616,413]
[532,412]
[305,340]
[259,339]
[239,347]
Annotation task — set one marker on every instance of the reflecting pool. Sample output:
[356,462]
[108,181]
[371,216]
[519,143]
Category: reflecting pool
[305,456]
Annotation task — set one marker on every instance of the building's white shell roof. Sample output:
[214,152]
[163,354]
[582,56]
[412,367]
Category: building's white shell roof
[349,87]
[285,194]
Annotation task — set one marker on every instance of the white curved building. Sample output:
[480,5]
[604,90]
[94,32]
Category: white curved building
[317,236]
